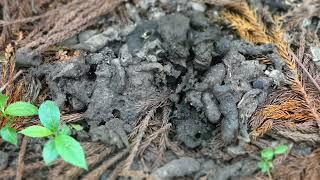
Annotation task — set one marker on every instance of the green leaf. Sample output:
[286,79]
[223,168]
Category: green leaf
[65,130]
[282,149]
[49,152]
[70,150]
[9,134]
[49,115]
[36,131]
[21,108]
[77,127]
[3,101]
[264,167]
[267,154]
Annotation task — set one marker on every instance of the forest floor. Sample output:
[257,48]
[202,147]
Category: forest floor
[167,89]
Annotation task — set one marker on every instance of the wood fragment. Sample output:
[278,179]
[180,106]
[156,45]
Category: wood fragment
[94,160]
[11,80]
[96,173]
[9,173]
[22,152]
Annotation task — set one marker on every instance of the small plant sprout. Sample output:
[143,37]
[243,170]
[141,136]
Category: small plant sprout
[9,112]
[60,142]
[267,156]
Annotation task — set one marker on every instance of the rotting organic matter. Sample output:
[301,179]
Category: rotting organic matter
[293,109]
[201,94]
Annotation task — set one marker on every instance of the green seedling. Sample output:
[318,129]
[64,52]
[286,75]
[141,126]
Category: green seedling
[9,112]
[60,142]
[267,156]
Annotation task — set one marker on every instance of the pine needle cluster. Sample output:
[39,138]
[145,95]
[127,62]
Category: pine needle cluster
[288,109]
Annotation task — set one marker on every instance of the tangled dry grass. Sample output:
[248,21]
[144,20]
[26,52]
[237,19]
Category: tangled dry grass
[150,135]
[298,168]
[49,28]
[36,25]
[11,88]
[96,153]
[288,109]
[291,111]
[308,9]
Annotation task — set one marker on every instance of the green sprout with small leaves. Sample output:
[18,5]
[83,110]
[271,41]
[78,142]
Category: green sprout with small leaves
[60,142]
[267,156]
[9,112]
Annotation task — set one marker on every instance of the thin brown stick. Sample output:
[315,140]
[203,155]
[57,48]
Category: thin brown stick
[6,29]
[6,174]
[152,137]
[96,174]
[116,172]
[34,18]
[75,117]
[11,80]
[69,20]
[97,158]
[138,139]
[95,153]
[22,152]
[25,20]
[314,82]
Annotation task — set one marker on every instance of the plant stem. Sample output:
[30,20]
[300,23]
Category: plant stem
[269,174]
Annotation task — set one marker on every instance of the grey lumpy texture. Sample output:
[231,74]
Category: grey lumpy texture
[177,168]
[228,107]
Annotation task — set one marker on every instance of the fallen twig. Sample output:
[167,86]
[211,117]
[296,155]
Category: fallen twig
[96,174]
[314,82]
[11,80]
[22,152]
[34,18]
[6,174]
[95,154]
[74,172]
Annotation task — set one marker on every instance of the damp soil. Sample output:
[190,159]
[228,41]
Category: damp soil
[213,82]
